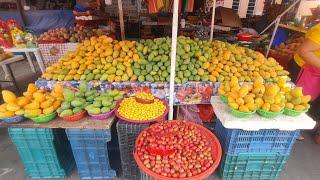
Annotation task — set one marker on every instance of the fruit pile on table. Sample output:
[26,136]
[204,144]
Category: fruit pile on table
[105,59]
[269,99]
[34,102]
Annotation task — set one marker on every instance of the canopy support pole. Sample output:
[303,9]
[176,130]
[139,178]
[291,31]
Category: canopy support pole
[173,56]
[121,20]
[273,35]
[212,19]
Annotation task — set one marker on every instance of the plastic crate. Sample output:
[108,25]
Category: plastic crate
[234,141]
[45,153]
[90,150]
[127,134]
[262,166]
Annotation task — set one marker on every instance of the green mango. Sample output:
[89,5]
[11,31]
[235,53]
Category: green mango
[67,112]
[65,105]
[79,94]
[90,98]
[107,102]
[90,106]
[77,110]
[97,104]
[90,77]
[111,70]
[148,68]
[59,110]
[113,93]
[83,86]
[97,76]
[113,105]
[149,78]
[141,78]
[94,111]
[118,97]
[76,103]
[68,95]
[89,93]
[105,109]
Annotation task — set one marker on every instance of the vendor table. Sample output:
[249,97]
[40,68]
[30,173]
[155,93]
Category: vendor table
[256,122]
[27,52]
[85,123]
[7,69]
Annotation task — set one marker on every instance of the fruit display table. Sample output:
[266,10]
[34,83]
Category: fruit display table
[8,71]
[256,122]
[27,52]
[88,139]
[256,147]
[188,93]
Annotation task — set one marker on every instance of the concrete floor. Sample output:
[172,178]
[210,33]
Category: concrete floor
[302,165]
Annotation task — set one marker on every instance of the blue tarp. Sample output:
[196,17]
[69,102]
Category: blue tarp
[40,21]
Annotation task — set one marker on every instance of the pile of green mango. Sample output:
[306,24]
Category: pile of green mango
[154,62]
[104,102]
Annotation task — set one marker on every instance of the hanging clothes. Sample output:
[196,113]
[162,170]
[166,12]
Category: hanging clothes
[190,5]
[171,6]
[152,6]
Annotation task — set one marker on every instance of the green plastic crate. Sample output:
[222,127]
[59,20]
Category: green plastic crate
[45,153]
[253,166]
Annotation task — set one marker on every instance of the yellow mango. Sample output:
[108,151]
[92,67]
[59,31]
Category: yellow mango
[266,107]
[56,104]
[243,108]
[33,105]
[3,107]
[39,97]
[248,99]
[32,112]
[299,107]
[251,106]
[13,107]
[48,110]
[46,104]
[244,90]
[19,112]
[31,88]
[297,92]
[233,105]
[240,101]
[22,101]
[8,96]
[305,99]
[275,108]
[289,106]
[6,114]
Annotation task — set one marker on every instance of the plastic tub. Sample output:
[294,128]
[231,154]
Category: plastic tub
[161,118]
[75,117]
[215,144]
[103,116]
[268,114]
[240,114]
[44,118]
[224,99]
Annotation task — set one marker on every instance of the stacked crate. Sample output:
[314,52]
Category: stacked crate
[45,153]
[90,150]
[258,154]
[127,135]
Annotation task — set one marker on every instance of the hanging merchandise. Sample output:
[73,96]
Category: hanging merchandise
[190,5]
[5,37]
[171,6]
[160,5]
[166,5]
[152,6]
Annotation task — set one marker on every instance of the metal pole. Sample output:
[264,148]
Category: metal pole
[121,20]
[283,13]
[273,35]
[173,56]
[212,19]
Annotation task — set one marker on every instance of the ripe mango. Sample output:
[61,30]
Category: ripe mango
[13,107]
[275,108]
[22,101]
[46,104]
[243,108]
[3,107]
[6,114]
[299,107]
[19,112]
[48,110]
[32,88]
[39,97]
[266,107]
[33,112]
[297,92]
[8,96]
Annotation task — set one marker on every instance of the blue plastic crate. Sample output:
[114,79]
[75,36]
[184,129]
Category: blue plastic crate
[45,153]
[90,150]
[234,141]
[262,166]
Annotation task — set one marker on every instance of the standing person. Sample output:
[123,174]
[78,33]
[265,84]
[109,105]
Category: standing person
[305,69]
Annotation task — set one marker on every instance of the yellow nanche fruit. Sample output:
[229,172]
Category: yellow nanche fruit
[8,96]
